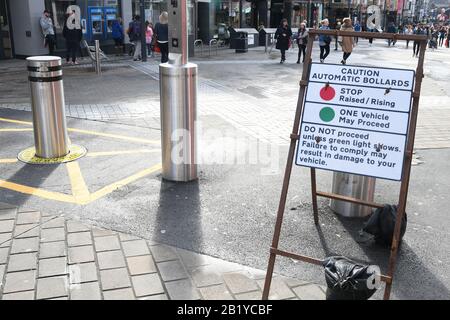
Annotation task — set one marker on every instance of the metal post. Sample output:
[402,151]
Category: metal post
[178,101]
[240,13]
[143,30]
[47,100]
[267,42]
[98,67]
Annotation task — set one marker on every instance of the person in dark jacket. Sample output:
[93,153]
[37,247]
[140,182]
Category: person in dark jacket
[162,36]
[73,35]
[302,40]
[283,36]
[117,35]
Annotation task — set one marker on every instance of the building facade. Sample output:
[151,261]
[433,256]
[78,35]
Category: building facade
[20,33]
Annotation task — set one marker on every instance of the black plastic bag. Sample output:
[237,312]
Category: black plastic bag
[347,280]
[381,224]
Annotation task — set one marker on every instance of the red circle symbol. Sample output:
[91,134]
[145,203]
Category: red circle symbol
[327,93]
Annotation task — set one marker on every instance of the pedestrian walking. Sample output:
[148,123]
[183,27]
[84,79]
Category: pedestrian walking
[416,45]
[357,28]
[324,41]
[48,31]
[302,40]
[442,34]
[73,35]
[391,29]
[161,33]
[283,36]
[118,36]
[347,42]
[408,31]
[336,40]
[134,32]
[148,38]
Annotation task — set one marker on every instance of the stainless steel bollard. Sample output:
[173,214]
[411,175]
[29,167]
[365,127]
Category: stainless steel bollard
[355,186]
[98,67]
[47,99]
[178,90]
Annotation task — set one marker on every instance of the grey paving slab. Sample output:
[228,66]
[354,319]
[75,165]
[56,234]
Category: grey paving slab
[53,287]
[115,279]
[182,290]
[141,265]
[155,297]
[254,295]
[239,282]
[6,226]
[2,272]
[76,226]
[52,249]
[172,270]
[53,267]
[81,254]
[163,253]
[191,259]
[107,243]
[22,262]
[217,292]
[58,222]
[24,295]
[85,291]
[99,232]
[8,214]
[25,245]
[309,292]
[83,272]
[135,248]
[19,281]
[28,217]
[278,289]
[206,276]
[4,237]
[54,234]
[3,255]
[79,239]
[26,231]
[120,294]
[147,284]
[127,237]
[111,259]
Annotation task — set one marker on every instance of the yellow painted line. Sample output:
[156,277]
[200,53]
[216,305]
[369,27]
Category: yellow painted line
[96,133]
[16,130]
[115,136]
[8,160]
[116,185]
[16,121]
[113,153]
[37,192]
[79,189]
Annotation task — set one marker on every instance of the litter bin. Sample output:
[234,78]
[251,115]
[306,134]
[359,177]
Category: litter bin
[241,41]
[355,186]
[47,101]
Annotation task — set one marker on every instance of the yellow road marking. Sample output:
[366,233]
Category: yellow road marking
[96,133]
[113,153]
[16,130]
[8,160]
[37,192]
[16,121]
[116,185]
[79,189]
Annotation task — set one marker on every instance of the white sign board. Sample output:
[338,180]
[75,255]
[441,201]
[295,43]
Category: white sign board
[250,39]
[355,120]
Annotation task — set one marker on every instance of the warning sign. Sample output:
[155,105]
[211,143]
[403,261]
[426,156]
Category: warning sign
[355,120]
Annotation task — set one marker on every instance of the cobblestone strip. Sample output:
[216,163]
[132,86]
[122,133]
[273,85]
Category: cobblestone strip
[50,257]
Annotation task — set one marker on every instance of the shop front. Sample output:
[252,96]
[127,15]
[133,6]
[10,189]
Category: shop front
[5,32]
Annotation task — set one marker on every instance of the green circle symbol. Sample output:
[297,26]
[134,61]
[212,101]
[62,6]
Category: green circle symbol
[326,114]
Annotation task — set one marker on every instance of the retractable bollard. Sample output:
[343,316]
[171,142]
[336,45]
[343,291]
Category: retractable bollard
[355,186]
[178,89]
[48,107]
[98,66]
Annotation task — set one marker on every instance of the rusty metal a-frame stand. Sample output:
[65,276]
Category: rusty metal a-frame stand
[274,250]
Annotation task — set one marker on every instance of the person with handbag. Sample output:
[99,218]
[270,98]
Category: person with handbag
[302,40]
[324,41]
[283,36]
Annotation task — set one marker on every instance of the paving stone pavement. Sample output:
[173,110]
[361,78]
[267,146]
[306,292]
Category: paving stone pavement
[51,257]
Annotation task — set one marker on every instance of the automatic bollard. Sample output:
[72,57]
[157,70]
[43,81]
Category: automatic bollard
[48,107]
[355,186]
[178,88]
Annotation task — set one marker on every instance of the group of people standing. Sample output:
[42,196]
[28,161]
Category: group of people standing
[154,36]
[283,37]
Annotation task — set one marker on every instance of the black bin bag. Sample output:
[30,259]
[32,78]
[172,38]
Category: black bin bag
[381,224]
[347,280]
